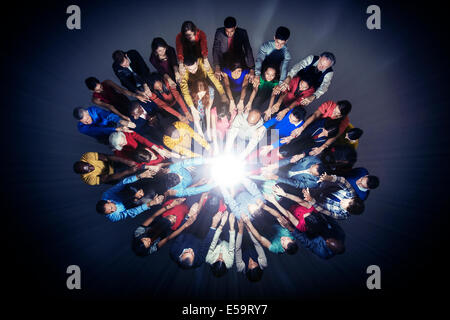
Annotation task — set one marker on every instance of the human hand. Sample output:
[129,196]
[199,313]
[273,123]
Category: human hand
[267,114]
[157,200]
[231,220]
[147,174]
[194,210]
[296,132]
[325,177]
[183,119]
[277,190]
[315,151]
[255,81]
[224,218]
[264,150]
[216,219]
[176,202]
[297,157]
[308,100]
[270,197]
[218,74]
[240,225]
[286,140]
[282,114]
[191,220]
[142,98]
[177,77]
[240,105]
[172,83]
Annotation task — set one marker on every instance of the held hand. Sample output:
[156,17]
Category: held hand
[255,81]
[282,114]
[184,119]
[276,107]
[265,150]
[245,218]
[190,220]
[142,98]
[278,191]
[232,106]
[296,132]
[218,74]
[251,76]
[297,157]
[124,129]
[308,100]
[267,115]
[157,200]
[231,220]
[286,140]
[172,83]
[224,218]
[315,151]
[131,125]
[325,177]
[240,105]
[147,174]
[216,219]
[177,77]
[176,202]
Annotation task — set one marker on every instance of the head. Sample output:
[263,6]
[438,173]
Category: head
[303,85]
[171,180]
[337,246]
[270,74]
[82,167]
[186,258]
[218,268]
[105,207]
[136,110]
[315,223]
[141,246]
[82,115]
[117,140]
[254,274]
[223,110]
[236,70]
[353,134]
[317,169]
[253,117]
[353,206]
[142,156]
[212,203]
[121,58]
[189,30]
[342,109]
[332,126]
[159,46]
[281,37]
[326,60]
[93,84]
[230,26]
[191,64]
[289,245]
[297,114]
[370,182]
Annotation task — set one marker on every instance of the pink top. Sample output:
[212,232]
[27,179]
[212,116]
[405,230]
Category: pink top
[299,212]
[222,124]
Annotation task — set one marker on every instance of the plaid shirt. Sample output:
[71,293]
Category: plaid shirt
[332,207]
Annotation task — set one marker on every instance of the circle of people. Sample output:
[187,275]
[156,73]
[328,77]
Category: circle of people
[292,200]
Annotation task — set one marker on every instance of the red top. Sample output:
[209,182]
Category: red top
[169,100]
[109,95]
[200,36]
[178,211]
[290,96]
[327,109]
[299,212]
[133,141]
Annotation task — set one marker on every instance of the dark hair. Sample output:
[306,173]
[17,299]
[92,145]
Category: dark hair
[142,155]
[354,133]
[315,224]
[158,42]
[277,71]
[118,56]
[282,33]
[332,126]
[185,264]
[255,274]
[91,82]
[344,107]
[100,206]
[78,167]
[134,105]
[212,204]
[78,113]
[321,168]
[218,269]
[373,182]
[236,65]
[189,60]
[229,22]
[171,180]
[299,113]
[139,248]
[153,78]
[188,26]
[356,206]
[223,110]
[292,248]
[335,245]
[329,56]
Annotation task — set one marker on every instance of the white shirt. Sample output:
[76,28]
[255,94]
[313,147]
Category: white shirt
[223,247]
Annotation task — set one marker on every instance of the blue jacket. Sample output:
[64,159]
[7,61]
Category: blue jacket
[183,189]
[103,123]
[302,180]
[188,240]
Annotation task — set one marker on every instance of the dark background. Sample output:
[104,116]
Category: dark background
[396,79]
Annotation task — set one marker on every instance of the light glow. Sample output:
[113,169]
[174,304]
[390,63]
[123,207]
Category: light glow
[228,170]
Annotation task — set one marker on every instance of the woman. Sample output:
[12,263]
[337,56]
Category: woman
[264,91]
[221,120]
[236,82]
[126,145]
[168,98]
[164,59]
[179,137]
[203,98]
[191,42]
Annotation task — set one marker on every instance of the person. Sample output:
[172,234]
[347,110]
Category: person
[236,81]
[191,43]
[231,46]
[221,120]
[203,98]
[221,253]
[168,98]
[333,110]
[250,258]
[112,204]
[111,96]
[339,159]
[316,68]
[244,128]
[335,197]
[164,59]
[126,144]
[146,120]
[189,251]
[350,136]
[362,182]
[179,137]
[97,168]
[304,173]
[273,53]
[99,123]
[131,70]
[180,178]
[299,89]
[196,70]
[262,94]
[152,234]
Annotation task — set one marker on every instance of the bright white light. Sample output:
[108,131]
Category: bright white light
[227,170]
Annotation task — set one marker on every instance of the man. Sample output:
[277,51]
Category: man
[99,123]
[189,251]
[111,96]
[329,109]
[231,45]
[132,71]
[196,70]
[245,128]
[273,53]
[112,204]
[335,198]
[362,182]
[319,71]
[97,168]
[350,136]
